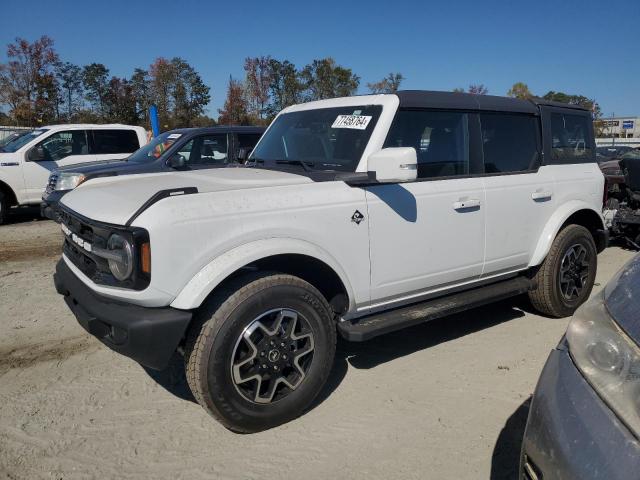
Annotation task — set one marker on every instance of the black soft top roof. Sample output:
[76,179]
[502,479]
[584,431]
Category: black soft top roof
[220,129]
[468,101]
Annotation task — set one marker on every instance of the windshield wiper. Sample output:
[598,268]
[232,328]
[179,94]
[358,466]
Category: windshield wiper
[297,162]
[303,164]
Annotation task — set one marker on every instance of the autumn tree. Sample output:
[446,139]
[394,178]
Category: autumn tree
[520,90]
[325,79]
[389,84]
[257,84]
[581,100]
[27,82]
[235,110]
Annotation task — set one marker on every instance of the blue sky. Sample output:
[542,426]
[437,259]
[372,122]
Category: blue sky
[581,47]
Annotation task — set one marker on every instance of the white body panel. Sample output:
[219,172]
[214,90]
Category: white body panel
[28,179]
[419,240]
[416,238]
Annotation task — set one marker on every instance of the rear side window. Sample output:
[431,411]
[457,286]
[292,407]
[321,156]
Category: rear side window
[114,141]
[441,140]
[570,138]
[509,142]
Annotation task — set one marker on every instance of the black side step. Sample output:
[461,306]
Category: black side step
[371,326]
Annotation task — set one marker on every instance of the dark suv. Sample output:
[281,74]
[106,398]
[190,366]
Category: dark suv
[181,149]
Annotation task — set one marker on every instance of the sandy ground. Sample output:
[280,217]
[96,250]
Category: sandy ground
[447,399]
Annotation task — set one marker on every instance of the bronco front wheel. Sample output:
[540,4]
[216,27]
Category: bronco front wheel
[260,351]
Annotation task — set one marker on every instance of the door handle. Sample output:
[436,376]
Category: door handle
[466,203]
[541,194]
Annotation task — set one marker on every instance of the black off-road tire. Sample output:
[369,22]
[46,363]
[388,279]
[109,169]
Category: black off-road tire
[548,297]
[4,208]
[218,326]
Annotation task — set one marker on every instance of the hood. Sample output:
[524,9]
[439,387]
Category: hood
[609,164]
[97,167]
[622,297]
[115,199]
[6,157]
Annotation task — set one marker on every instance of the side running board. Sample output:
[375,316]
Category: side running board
[371,326]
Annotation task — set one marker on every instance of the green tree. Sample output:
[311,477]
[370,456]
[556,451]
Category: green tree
[325,79]
[95,80]
[190,94]
[389,84]
[520,90]
[235,111]
[70,80]
[119,102]
[458,90]
[581,100]
[285,87]
[141,89]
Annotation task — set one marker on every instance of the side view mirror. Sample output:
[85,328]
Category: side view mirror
[176,161]
[36,154]
[243,154]
[394,164]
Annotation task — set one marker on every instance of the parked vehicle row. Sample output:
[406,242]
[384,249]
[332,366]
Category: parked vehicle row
[182,149]
[27,161]
[358,216]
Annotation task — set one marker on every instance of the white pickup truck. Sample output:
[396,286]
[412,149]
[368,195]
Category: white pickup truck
[361,216]
[27,161]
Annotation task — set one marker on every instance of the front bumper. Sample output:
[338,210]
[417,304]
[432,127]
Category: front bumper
[149,336]
[571,433]
[49,205]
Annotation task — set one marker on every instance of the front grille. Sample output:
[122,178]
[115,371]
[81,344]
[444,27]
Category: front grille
[51,185]
[97,234]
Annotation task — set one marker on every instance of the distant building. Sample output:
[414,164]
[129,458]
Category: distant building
[619,130]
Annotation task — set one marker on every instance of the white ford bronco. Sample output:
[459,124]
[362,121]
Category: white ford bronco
[360,216]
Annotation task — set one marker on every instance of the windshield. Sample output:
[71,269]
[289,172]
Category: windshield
[323,139]
[16,144]
[155,148]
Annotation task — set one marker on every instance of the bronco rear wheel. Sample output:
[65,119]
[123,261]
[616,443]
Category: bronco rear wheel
[566,277]
[260,351]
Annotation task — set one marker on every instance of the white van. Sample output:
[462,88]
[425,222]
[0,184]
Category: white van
[26,162]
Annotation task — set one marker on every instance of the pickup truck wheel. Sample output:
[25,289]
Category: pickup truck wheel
[4,208]
[566,277]
[260,351]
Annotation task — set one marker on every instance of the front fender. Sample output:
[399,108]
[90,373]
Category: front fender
[210,276]
[553,226]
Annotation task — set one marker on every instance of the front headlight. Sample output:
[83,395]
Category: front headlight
[608,359]
[69,180]
[120,264]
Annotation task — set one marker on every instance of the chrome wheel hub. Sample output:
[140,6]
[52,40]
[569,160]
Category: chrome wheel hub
[272,356]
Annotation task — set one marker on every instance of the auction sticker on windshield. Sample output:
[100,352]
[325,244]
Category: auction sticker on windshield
[358,122]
